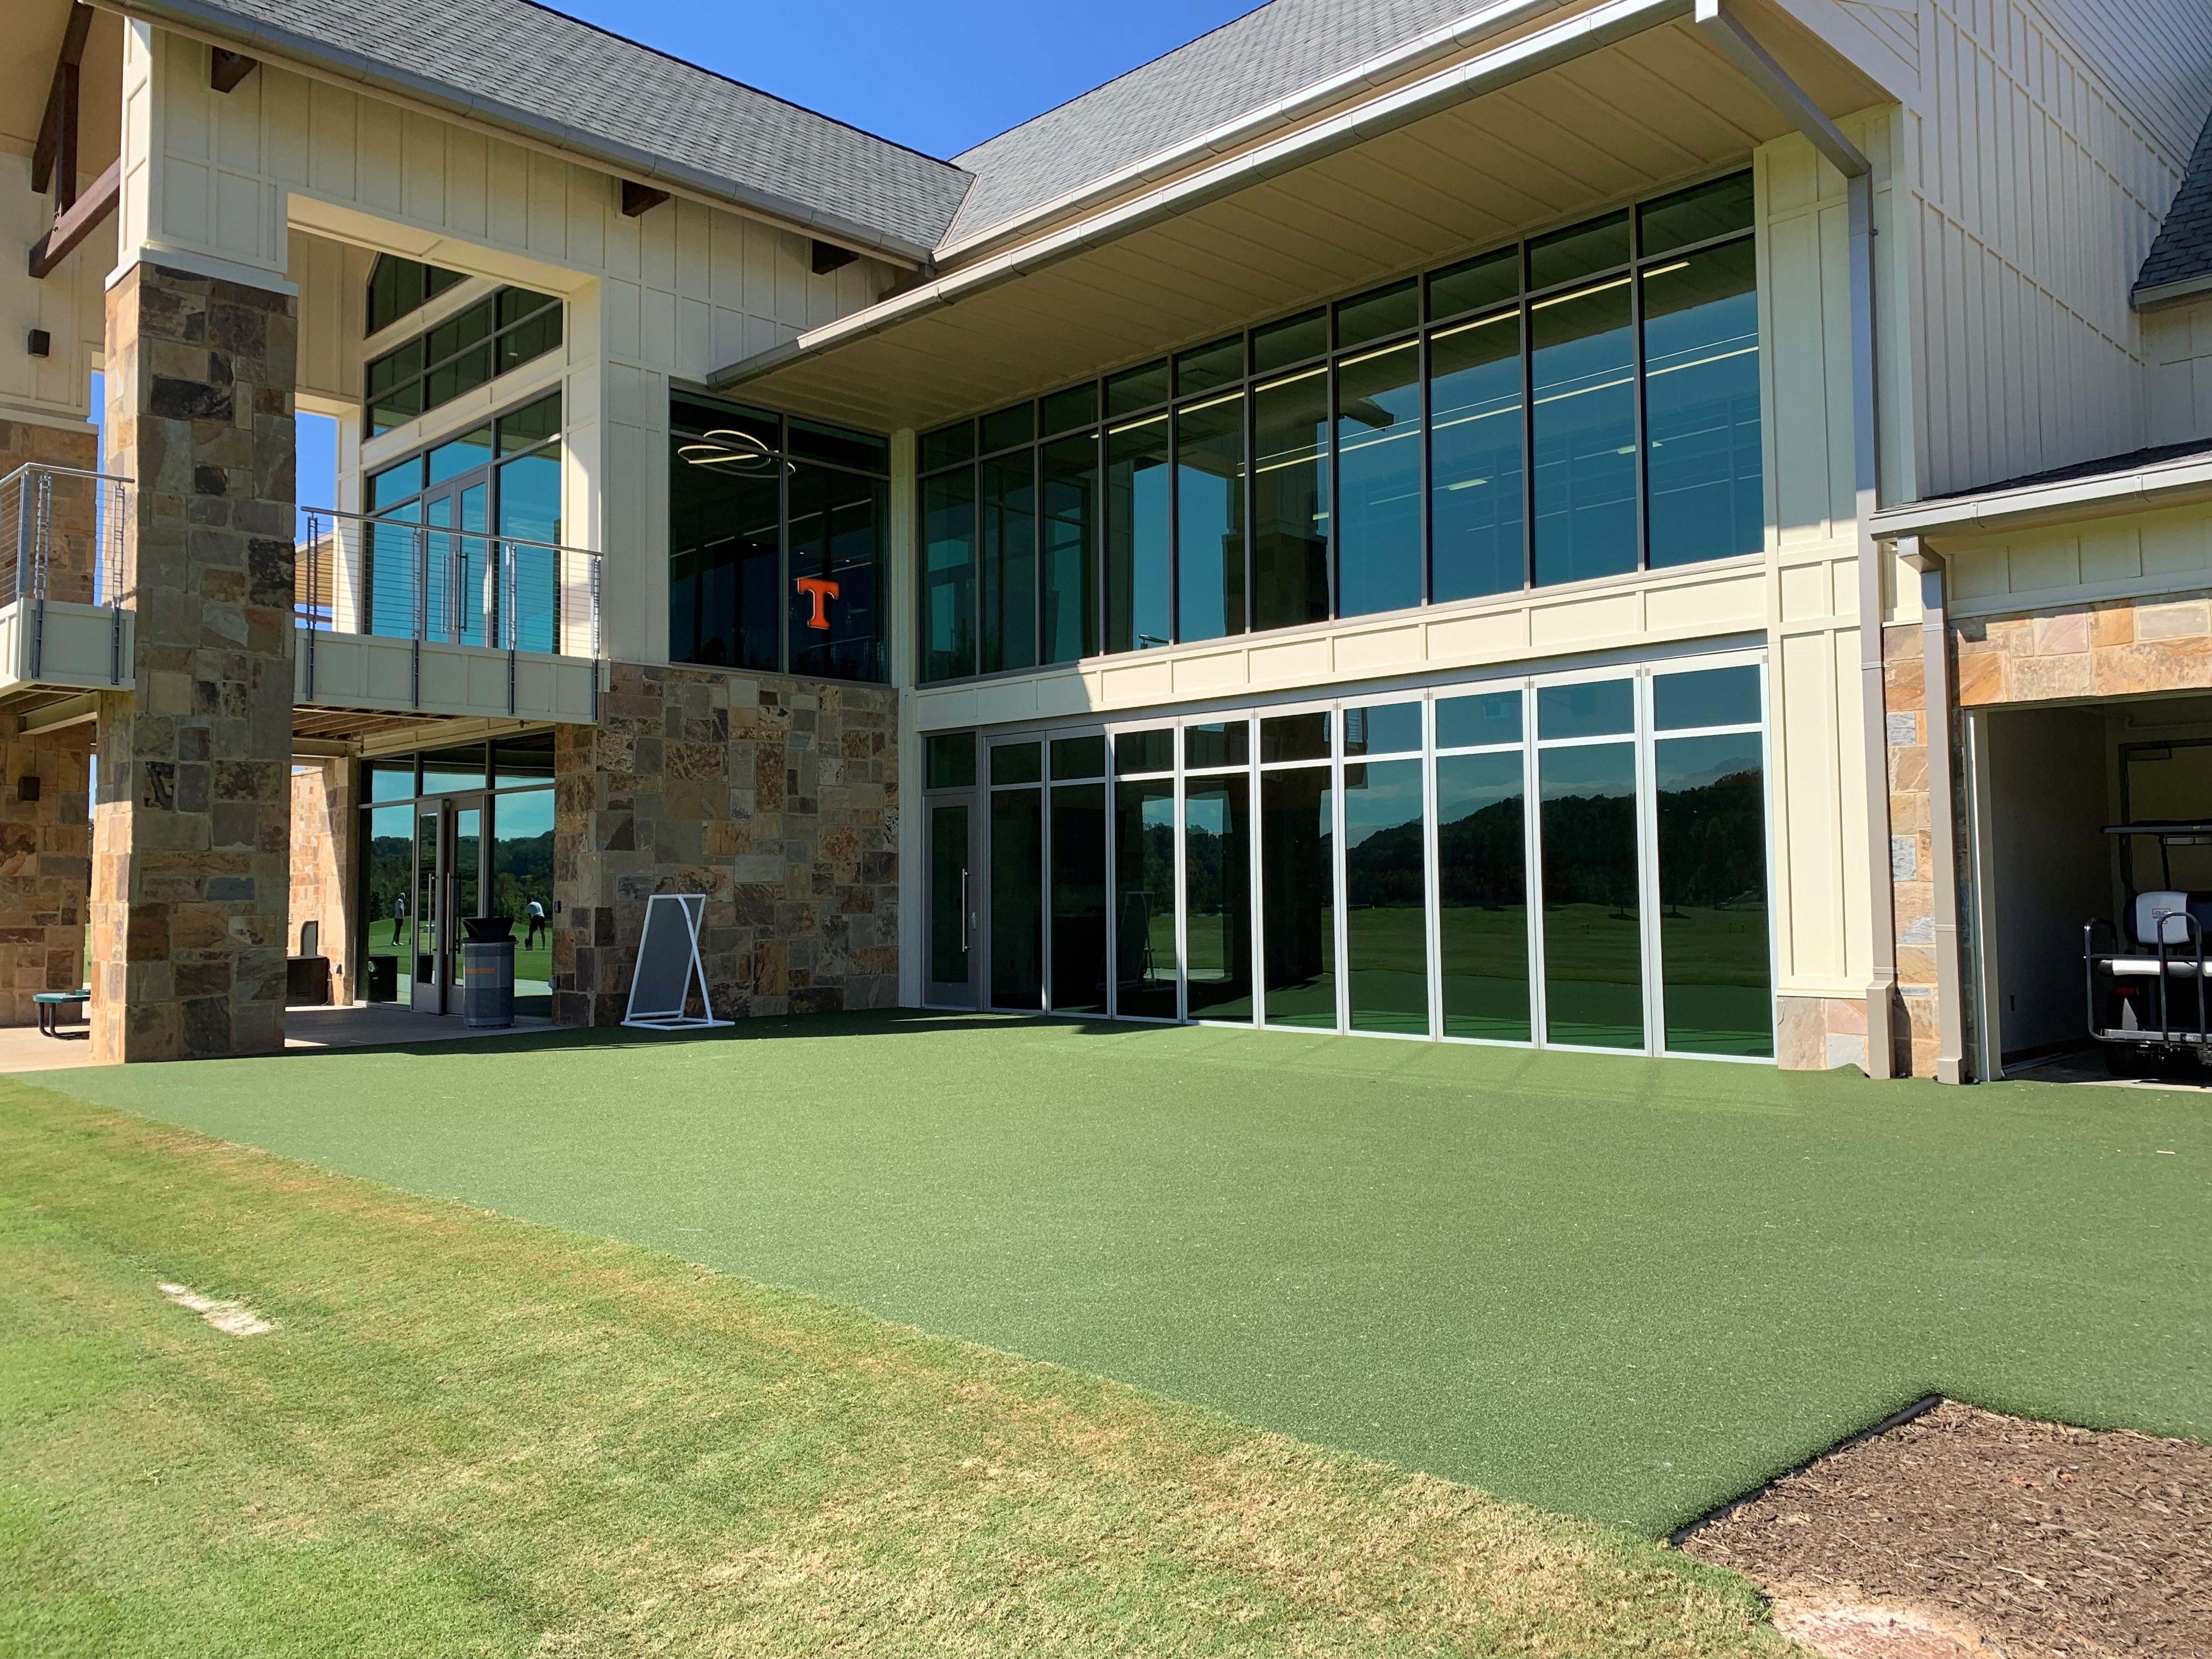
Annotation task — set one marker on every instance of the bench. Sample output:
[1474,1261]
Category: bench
[50,1006]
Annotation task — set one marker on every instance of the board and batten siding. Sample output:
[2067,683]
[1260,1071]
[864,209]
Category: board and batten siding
[2042,146]
[671,294]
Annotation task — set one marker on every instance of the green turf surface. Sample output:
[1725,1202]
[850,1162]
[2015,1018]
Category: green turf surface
[1620,1287]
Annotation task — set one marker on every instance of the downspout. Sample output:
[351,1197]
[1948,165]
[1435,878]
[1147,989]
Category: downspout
[1741,48]
[1942,850]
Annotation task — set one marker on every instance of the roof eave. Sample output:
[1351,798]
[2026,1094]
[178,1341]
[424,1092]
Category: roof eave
[2177,484]
[1531,54]
[2157,295]
[210,20]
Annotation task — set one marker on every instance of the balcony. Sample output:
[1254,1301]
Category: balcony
[395,618]
[65,615]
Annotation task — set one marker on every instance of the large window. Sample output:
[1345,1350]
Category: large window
[487,572]
[471,348]
[776,544]
[1567,862]
[1580,405]
[399,288]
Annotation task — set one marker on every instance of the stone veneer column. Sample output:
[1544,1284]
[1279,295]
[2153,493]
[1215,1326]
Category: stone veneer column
[777,799]
[190,838]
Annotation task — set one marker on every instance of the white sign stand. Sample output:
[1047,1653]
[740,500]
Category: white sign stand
[668,965]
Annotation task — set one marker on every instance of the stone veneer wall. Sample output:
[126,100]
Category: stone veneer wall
[322,843]
[1818,1034]
[45,844]
[2122,647]
[71,504]
[45,865]
[192,829]
[777,799]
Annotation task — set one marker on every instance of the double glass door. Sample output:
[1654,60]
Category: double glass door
[449,852]
[460,593]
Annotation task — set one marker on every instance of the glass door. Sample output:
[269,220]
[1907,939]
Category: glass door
[952,901]
[462,587]
[449,848]
[427,993]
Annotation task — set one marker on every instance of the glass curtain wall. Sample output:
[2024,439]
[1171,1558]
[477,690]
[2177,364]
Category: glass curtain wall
[1580,864]
[777,545]
[1579,405]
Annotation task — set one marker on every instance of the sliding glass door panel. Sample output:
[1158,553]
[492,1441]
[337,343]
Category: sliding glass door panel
[1713,945]
[1592,932]
[1016,898]
[1482,879]
[1386,896]
[1144,955]
[1079,898]
[1297,866]
[1218,889]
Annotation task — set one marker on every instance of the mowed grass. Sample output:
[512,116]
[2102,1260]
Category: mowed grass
[1620,1288]
[467,1435]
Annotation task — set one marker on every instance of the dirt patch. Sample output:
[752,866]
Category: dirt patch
[1969,1532]
[232,1318]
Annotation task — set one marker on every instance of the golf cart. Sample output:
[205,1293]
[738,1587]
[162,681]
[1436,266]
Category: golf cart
[2146,975]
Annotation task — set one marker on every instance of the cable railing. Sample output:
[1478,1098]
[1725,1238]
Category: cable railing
[431,585]
[62,539]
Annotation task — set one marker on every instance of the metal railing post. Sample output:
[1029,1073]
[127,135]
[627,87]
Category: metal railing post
[41,555]
[422,618]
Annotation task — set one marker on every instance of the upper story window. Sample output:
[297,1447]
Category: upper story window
[398,287]
[1583,403]
[777,543]
[503,330]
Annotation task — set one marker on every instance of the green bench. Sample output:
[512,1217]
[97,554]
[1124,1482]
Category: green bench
[51,1004]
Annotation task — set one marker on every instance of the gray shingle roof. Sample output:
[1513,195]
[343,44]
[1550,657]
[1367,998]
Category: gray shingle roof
[515,62]
[2183,251]
[1266,54]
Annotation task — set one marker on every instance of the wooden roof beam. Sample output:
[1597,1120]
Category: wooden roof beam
[55,155]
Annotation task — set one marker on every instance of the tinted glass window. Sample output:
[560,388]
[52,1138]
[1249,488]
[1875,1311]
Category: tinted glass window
[1471,284]
[948,446]
[951,761]
[1486,718]
[1696,214]
[1210,367]
[1579,251]
[1372,316]
[1294,339]
[1137,388]
[1597,709]
[1711,697]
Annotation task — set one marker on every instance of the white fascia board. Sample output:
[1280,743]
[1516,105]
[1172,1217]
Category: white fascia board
[2161,295]
[2175,483]
[1517,60]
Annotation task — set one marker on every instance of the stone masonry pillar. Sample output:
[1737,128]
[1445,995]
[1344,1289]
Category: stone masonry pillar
[192,828]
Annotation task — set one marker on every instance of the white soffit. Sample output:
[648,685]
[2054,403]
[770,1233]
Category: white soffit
[1562,121]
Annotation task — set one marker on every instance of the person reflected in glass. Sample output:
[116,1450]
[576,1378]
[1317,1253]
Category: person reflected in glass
[398,916]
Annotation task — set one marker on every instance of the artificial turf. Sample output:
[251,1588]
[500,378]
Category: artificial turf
[1622,1288]
[456,1434]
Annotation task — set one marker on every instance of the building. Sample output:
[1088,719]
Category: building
[1659,525]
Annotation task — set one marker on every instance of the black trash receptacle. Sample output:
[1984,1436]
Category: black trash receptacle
[488,972]
[382,984]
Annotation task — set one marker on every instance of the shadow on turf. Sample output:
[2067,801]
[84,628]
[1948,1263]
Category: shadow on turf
[913,1022]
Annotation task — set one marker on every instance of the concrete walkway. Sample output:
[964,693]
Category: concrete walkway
[365,1025]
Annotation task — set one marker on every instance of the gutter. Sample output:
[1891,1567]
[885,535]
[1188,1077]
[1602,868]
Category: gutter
[1482,24]
[2161,294]
[1517,60]
[204,20]
[2174,483]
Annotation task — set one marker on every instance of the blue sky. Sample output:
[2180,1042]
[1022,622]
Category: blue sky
[938,78]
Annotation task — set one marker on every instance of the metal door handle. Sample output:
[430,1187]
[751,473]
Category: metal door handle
[968,918]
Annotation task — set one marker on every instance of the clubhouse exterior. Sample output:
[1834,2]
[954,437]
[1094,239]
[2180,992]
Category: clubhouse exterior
[1664,526]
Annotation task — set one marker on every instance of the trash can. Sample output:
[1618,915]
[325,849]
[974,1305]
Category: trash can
[383,982]
[488,972]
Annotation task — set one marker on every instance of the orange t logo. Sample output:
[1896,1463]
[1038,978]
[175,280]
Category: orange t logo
[821,590]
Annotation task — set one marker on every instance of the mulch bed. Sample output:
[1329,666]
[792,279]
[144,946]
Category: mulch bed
[2039,1538]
